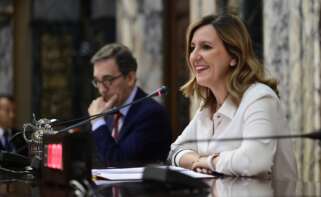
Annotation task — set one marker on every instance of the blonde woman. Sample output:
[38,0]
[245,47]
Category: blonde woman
[238,100]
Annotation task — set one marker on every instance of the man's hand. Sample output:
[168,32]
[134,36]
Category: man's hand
[98,105]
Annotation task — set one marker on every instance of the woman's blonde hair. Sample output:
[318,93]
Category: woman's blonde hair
[238,44]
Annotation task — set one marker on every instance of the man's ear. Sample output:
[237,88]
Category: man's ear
[131,78]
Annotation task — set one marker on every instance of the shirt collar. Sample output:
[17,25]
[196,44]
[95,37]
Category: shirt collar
[130,99]
[1,132]
[228,108]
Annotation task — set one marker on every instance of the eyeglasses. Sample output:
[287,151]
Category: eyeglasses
[106,81]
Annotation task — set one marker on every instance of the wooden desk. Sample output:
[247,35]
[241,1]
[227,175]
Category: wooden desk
[225,187]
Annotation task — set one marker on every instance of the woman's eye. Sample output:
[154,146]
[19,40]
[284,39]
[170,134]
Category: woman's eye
[206,46]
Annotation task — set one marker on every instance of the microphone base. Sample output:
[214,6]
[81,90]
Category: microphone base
[172,178]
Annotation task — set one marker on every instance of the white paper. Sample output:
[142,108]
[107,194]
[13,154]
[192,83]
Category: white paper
[119,174]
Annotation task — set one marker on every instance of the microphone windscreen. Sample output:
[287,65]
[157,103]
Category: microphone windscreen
[162,91]
[159,92]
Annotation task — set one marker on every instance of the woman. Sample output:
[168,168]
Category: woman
[238,100]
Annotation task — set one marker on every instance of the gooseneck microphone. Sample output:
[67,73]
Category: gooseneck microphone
[159,92]
[315,135]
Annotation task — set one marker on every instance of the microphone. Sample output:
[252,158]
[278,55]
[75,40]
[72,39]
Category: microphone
[315,135]
[159,92]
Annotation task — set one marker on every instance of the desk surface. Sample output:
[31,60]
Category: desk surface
[227,187]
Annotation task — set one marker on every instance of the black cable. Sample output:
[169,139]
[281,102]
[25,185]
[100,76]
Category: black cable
[15,136]
[7,170]
[82,188]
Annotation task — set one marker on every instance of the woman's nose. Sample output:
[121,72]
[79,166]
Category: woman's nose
[194,56]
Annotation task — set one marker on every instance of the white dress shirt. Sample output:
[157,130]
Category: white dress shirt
[2,138]
[258,114]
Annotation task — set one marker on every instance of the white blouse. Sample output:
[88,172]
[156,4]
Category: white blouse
[259,114]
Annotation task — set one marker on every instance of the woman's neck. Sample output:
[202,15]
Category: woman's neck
[220,93]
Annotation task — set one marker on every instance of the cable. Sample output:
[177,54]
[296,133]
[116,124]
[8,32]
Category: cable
[82,188]
[16,175]
[19,172]
[15,135]
[79,189]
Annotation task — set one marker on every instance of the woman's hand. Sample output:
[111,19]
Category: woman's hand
[201,166]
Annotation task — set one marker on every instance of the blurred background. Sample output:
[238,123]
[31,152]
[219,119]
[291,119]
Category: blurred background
[46,45]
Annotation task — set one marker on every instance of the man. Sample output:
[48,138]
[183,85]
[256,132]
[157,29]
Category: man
[139,133]
[7,117]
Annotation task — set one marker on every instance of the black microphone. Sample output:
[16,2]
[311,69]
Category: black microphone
[159,92]
[315,135]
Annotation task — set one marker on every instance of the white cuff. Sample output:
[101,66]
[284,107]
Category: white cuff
[210,162]
[179,155]
[97,123]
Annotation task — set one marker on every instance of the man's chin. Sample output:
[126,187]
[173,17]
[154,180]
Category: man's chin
[106,98]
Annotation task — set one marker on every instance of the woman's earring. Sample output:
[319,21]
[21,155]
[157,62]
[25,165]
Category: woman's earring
[233,63]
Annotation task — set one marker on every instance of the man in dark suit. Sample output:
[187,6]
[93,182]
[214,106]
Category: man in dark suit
[7,119]
[138,133]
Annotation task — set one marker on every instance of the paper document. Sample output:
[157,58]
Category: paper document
[118,174]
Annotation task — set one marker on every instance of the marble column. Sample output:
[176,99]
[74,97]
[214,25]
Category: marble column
[276,48]
[140,27]
[310,58]
[6,65]
[199,8]
[293,56]
[6,51]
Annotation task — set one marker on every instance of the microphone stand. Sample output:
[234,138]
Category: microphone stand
[159,92]
[316,135]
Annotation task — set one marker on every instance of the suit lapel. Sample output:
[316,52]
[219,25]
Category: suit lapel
[2,147]
[130,117]
[109,121]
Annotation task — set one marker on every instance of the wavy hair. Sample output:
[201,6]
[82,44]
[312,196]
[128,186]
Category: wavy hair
[237,41]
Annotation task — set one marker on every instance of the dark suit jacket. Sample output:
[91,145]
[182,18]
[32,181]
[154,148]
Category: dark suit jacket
[19,143]
[144,137]
[8,144]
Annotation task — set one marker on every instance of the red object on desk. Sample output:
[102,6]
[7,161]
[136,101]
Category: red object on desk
[54,156]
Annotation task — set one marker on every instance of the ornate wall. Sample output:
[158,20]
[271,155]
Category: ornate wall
[6,42]
[201,8]
[294,57]
[139,26]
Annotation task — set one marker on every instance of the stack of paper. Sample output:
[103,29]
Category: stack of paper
[119,174]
